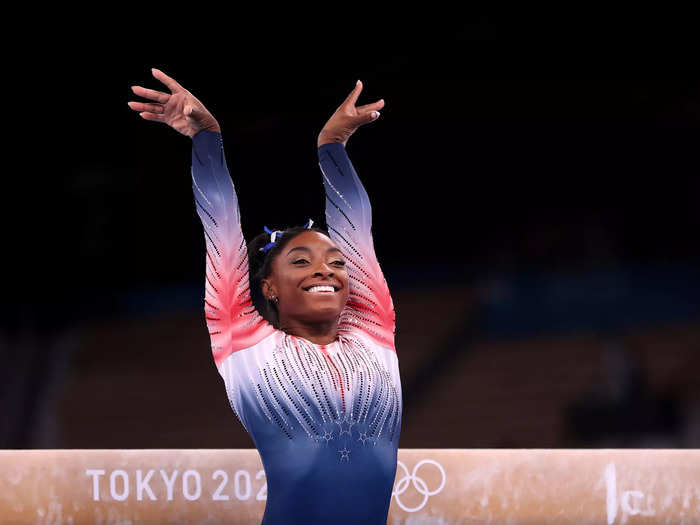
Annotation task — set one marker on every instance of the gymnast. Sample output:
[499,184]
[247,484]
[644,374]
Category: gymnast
[301,324]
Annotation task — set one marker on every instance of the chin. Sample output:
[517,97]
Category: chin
[328,314]
[323,314]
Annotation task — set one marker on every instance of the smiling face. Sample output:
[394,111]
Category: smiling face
[309,279]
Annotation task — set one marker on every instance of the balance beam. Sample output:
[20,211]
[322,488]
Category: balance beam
[432,486]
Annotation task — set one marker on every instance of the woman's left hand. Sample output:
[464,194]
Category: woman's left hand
[348,117]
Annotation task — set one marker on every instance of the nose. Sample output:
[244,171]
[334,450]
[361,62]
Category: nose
[323,269]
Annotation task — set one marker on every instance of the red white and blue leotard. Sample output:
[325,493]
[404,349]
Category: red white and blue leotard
[325,419]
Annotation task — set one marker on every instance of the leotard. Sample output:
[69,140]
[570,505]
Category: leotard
[325,419]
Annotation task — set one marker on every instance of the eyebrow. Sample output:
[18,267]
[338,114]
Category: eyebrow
[306,248]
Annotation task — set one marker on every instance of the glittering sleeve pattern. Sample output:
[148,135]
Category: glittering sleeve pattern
[349,218]
[232,320]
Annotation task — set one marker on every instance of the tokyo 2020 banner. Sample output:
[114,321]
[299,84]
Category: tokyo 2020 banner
[432,486]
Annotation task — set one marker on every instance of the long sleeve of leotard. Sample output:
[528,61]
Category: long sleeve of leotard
[349,220]
[232,320]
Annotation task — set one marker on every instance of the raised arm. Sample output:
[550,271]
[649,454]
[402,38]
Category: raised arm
[233,322]
[349,219]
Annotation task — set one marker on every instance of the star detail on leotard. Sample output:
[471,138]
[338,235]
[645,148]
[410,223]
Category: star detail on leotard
[344,454]
[327,436]
[363,437]
[345,426]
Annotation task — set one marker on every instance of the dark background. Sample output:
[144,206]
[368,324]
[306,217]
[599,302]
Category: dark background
[550,155]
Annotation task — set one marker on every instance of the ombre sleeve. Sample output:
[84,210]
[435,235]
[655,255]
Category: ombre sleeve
[349,219]
[232,320]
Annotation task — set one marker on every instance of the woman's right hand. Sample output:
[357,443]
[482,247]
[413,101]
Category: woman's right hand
[180,109]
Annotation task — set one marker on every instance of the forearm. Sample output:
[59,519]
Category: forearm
[344,190]
[212,185]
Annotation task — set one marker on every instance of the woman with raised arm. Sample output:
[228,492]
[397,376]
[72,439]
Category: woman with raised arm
[302,326]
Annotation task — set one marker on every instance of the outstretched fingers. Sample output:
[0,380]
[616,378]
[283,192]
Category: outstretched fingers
[152,116]
[151,94]
[173,86]
[367,111]
[371,107]
[351,99]
[151,108]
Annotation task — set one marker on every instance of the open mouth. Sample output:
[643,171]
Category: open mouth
[321,288]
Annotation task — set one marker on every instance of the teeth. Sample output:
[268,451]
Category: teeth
[321,289]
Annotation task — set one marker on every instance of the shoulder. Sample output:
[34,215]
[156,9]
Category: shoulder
[265,344]
[358,337]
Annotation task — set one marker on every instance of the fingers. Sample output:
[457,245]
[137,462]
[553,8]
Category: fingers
[371,107]
[152,116]
[173,86]
[151,94]
[352,97]
[151,108]
[370,112]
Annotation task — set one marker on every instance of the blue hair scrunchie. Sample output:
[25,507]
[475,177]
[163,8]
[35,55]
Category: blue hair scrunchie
[274,235]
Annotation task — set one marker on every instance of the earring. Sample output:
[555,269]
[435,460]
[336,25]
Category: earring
[274,299]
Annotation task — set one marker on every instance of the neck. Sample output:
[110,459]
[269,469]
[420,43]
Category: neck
[320,333]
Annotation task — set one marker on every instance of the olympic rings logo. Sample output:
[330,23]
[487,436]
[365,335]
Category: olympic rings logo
[418,483]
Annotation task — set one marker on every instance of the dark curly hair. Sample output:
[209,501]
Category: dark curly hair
[260,267]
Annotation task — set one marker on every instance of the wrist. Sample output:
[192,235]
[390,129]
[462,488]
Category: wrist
[211,128]
[326,137]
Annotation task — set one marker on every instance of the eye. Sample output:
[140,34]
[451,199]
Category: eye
[300,261]
[339,263]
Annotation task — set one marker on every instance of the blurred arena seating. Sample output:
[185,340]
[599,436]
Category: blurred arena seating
[150,382]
